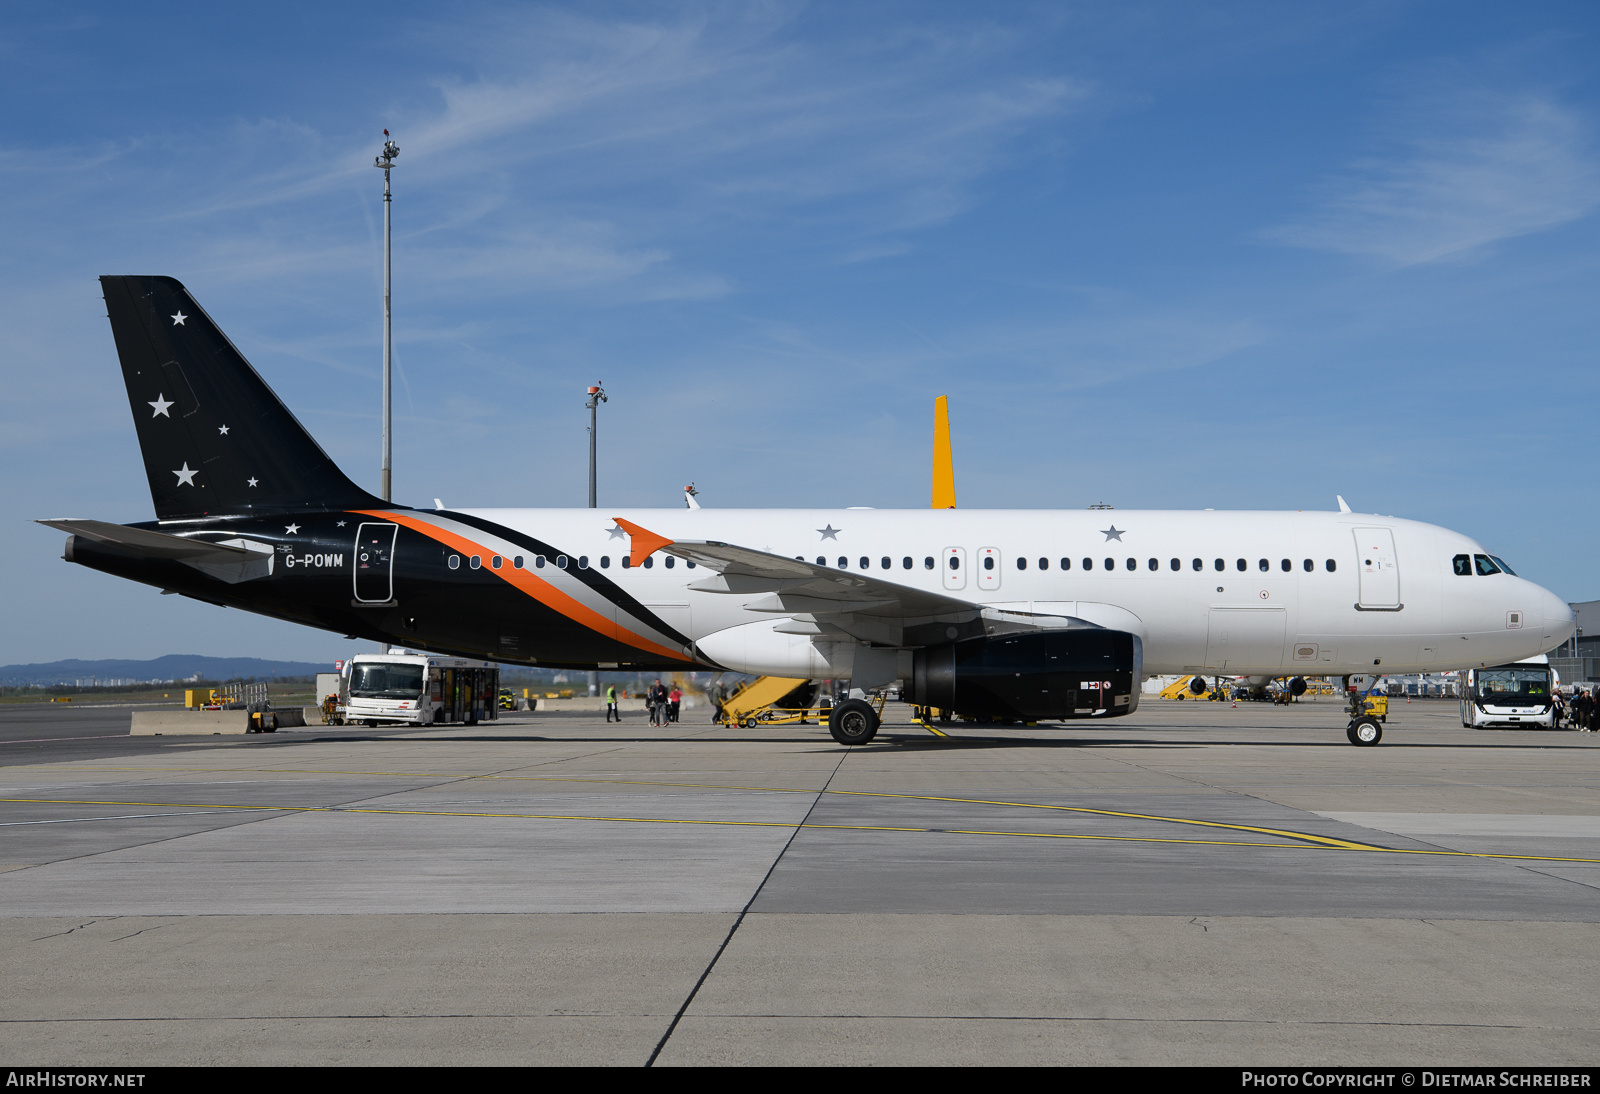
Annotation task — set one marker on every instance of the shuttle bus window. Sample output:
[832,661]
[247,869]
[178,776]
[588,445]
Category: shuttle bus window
[988,562]
[1044,564]
[1219,565]
[1500,562]
[1240,565]
[649,562]
[669,562]
[605,562]
[1486,565]
[1155,564]
[1022,563]
[1286,566]
[1462,565]
[866,563]
[516,562]
[1133,564]
[455,562]
[561,561]
[1177,565]
[1308,565]
[1263,565]
[1198,565]
[689,562]
[496,561]
[1331,565]
[583,562]
[477,560]
[905,563]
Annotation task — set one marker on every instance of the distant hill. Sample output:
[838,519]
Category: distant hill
[173,667]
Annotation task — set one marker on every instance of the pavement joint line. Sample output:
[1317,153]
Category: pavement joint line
[1328,846]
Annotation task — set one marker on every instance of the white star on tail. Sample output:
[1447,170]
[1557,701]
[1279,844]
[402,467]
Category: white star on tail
[293,529]
[251,482]
[185,476]
[222,429]
[161,404]
[177,320]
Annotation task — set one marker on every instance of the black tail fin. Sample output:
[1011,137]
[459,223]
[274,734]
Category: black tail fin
[215,439]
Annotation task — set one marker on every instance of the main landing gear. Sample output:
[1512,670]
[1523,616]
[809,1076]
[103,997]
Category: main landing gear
[853,722]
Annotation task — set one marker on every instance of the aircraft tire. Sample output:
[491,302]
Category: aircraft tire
[1365,732]
[853,722]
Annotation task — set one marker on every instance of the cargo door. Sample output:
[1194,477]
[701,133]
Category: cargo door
[374,563]
[1245,640]
[1379,570]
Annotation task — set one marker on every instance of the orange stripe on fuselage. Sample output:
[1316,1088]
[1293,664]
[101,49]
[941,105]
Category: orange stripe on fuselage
[536,587]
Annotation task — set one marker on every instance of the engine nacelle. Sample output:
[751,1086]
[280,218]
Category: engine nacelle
[1077,673]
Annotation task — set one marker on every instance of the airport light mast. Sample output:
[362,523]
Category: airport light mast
[386,163]
[597,395]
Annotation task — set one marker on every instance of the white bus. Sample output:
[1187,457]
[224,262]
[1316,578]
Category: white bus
[419,689]
[1518,694]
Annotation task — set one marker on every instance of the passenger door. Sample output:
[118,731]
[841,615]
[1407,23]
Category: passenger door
[1379,570]
[374,563]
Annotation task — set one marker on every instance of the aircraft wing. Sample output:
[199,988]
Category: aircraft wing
[824,601]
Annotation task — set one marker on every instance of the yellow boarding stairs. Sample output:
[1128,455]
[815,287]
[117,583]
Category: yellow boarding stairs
[1179,689]
[755,702]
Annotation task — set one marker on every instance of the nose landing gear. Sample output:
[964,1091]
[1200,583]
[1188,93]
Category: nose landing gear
[1365,731]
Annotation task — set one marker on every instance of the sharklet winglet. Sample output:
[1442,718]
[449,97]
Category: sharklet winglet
[645,542]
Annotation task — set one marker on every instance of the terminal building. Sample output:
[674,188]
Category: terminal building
[1577,660]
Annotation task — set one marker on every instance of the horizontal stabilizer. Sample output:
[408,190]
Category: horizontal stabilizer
[232,560]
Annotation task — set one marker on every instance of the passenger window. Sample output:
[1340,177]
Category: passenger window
[1486,565]
[1240,565]
[1308,566]
[516,563]
[821,561]
[1263,565]
[669,562]
[1022,563]
[1463,565]
[455,562]
[561,561]
[605,562]
[649,562]
[1332,565]
[927,563]
[538,562]
[1111,564]
[1044,564]
[886,562]
[1176,565]
[1155,564]
[625,562]
[905,563]
[1133,564]
[1088,564]
[955,562]
[583,562]
[477,560]
[1286,566]
[1198,565]
[1066,564]
[844,563]
[866,563]
[988,562]
[496,561]
[1220,565]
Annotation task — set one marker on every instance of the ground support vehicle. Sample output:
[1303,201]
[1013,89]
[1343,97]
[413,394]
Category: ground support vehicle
[1514,696]
[418,689]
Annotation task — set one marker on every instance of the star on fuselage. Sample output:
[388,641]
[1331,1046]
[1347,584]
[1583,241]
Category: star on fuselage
[1112,533]
[830,532]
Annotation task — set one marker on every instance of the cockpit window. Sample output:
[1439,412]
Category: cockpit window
[1485,565]
[1463,565]
[1502,564]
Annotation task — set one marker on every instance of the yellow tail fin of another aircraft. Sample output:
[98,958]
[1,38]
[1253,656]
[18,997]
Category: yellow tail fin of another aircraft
[944,477]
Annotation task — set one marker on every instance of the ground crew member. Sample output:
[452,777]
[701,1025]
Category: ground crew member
[611,703]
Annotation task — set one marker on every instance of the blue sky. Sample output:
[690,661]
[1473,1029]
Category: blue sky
[1158,255]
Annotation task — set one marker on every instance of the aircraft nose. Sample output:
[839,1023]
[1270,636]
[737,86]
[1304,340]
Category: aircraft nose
[1559,621]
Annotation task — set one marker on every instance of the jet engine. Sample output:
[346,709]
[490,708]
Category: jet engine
[1075,673]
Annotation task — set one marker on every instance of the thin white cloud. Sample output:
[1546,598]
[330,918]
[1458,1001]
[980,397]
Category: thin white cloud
[1481,168]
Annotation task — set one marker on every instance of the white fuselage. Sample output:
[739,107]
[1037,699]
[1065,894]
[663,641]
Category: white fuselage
[1390,600]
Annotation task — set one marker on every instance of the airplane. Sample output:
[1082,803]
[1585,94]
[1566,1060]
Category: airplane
[1018,615]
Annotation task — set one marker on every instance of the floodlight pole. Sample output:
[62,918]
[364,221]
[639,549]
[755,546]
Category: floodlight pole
[597,395]
[386,163]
